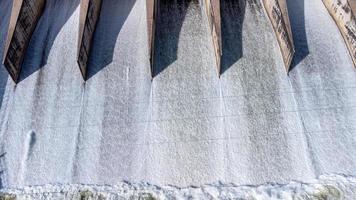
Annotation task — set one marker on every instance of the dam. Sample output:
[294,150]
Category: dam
[178,98]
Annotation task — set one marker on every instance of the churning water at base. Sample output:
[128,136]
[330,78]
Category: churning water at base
[251,126]
[331,187]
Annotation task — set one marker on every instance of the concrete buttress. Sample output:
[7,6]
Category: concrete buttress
[89,15]
[212,9]
[278,15]
[24,17]
[343,13]
[151,9]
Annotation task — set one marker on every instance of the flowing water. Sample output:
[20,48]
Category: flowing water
[255,124]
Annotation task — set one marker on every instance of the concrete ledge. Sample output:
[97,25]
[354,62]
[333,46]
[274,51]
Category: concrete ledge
[212,9]
[151,8]
[24,18]
[278,15]
[89,15]
[343,13]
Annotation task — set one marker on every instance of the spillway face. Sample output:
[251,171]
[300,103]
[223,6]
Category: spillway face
[256,98]
[24,18]
[186,126]
[323,80]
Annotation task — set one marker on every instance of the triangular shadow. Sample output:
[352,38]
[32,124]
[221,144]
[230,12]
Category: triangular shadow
[55,15]
[297,20]
[170,18]
[112,18]
[232,18]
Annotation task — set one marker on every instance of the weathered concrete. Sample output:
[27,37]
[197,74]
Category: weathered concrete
[343,12]
[89,14]
[212,9]
[151,7]
[24,17]
[278,14]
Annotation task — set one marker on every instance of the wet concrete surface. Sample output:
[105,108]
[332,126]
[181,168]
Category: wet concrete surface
[254,124]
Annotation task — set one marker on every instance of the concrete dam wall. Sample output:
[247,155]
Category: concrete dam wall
[176,121]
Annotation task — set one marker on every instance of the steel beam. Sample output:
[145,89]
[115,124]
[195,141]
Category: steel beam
[278,15]
[25,15]
[343,12]
[89,15]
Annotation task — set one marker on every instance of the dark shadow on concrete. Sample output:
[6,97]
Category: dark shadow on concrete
[3,177]
[171,15]
[112,17]
[232,17]
[297,20]
[55,15]
[3,182]
[5,12]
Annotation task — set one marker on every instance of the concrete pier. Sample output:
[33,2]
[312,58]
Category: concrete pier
[278,14]
[151,8]
[89,15]
[343,13]
[212,8]
[24,17]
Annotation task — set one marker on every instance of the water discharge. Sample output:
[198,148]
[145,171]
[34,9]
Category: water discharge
[187,126]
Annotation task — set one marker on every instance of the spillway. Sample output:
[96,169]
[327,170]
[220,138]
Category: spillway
[180,124]
[323,78]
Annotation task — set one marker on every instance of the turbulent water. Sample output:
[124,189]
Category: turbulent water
[327,187]
[255,124]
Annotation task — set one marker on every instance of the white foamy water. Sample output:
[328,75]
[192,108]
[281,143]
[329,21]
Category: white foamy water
[187,127]
[327,187]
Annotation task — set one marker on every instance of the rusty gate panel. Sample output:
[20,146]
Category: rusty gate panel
[278,15]
[89,15]
[25,15]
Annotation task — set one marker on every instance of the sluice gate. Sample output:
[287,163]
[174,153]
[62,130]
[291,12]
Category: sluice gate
[26,13]
[24,17]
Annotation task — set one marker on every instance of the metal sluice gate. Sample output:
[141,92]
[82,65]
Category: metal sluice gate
[25,15]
